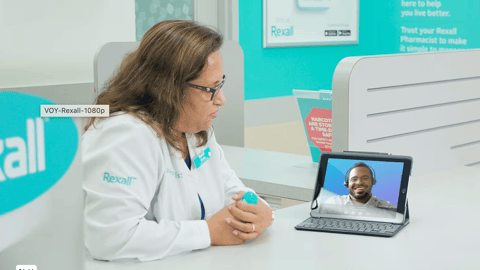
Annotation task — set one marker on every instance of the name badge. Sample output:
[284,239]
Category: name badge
[202,158]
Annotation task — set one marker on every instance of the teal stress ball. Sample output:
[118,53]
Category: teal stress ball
[250,198]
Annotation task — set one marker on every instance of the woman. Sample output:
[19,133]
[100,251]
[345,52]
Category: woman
[156,181]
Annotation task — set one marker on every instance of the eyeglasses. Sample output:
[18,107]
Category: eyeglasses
[363,179]
[214,91]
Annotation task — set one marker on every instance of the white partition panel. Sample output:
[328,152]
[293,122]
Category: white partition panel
[423,105]
[46,230]
[107,61]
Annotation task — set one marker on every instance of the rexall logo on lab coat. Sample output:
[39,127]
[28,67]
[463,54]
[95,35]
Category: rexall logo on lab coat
[35,152]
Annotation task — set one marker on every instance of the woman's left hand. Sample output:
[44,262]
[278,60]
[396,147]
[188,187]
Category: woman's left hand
[254,218]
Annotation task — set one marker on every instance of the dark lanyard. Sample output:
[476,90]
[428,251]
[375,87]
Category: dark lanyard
[189,165]
[201,205]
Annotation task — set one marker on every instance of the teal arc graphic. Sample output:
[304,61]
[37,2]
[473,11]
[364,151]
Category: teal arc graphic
[35,152]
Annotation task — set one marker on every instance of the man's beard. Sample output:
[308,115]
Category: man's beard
[359,197]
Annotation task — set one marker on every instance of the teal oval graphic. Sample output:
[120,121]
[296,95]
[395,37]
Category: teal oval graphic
[35,152]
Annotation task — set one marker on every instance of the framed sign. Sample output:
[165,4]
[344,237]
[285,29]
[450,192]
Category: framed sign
[295,23]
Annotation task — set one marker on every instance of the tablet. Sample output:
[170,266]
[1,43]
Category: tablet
[362,186]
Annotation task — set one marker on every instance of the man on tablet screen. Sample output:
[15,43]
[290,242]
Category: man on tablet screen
[359,180]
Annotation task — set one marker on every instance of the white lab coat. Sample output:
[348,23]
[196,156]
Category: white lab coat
[141,199]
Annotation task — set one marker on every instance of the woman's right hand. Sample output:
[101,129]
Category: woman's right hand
[221,234]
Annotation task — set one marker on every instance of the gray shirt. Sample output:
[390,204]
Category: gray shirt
[374,201]
[344,205]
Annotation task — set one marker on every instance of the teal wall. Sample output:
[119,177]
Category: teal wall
[274,72]
[150,12]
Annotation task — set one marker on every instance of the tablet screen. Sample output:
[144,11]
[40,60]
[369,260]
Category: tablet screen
[356,188]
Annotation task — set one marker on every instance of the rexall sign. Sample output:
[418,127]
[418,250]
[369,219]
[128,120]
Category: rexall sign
[35,152]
